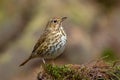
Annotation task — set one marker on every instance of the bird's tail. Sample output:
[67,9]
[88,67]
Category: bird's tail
[25,61]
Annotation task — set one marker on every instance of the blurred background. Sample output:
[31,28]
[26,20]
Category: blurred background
[93,29]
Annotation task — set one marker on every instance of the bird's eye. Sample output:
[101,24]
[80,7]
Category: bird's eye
[54,21]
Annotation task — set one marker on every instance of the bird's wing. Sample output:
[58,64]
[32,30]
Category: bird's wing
[39,42]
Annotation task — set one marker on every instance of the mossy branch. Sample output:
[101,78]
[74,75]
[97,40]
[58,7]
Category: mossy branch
[98,70]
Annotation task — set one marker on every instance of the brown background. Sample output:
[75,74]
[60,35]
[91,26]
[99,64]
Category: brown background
[93,29]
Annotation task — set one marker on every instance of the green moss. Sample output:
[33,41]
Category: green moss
[62,72]
[114,73]
[99,71]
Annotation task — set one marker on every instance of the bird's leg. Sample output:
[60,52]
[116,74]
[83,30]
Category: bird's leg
[43,60]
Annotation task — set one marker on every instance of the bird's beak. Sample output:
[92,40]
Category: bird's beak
[63,18]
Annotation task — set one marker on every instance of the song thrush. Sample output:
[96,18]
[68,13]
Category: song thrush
[51,43]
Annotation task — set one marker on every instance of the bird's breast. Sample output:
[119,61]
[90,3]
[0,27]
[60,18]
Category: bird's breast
[58,41]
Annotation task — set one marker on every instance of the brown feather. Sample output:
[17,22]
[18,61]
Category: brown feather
[40,41]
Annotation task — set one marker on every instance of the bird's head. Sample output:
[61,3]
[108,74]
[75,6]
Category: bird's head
[55,23]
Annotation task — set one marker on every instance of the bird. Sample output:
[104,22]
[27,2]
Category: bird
[51,43]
